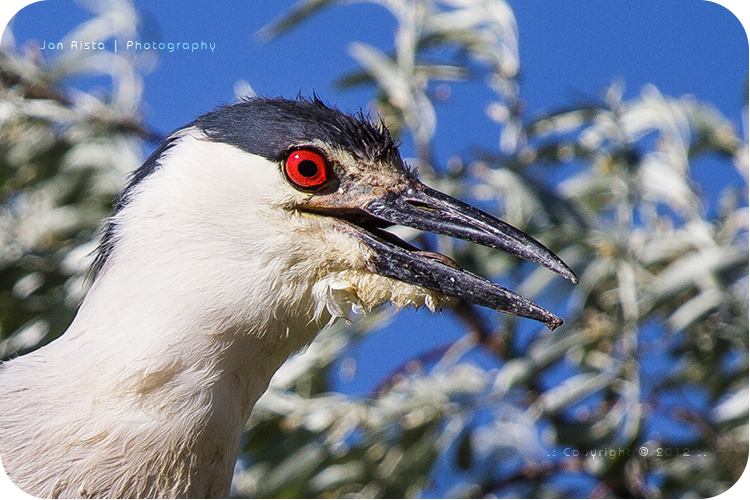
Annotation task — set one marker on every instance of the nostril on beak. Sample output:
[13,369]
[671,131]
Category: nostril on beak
[422,205]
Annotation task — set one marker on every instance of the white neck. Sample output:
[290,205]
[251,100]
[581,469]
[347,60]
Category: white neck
[176,340]
[174,372]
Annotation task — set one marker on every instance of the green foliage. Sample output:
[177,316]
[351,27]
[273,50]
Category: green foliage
[655,261]
[661,311]
[63,157]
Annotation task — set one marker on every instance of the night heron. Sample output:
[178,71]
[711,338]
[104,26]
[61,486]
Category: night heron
[240,237]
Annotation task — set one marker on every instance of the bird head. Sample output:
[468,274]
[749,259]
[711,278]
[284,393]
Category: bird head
[329,184]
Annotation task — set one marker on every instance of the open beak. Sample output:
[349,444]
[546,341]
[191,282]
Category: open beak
[418,206]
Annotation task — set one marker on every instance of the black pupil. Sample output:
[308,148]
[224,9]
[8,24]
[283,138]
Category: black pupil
[307,168]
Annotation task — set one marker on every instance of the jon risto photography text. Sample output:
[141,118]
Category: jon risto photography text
[130,45]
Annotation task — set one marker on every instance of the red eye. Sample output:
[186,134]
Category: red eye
[307,169]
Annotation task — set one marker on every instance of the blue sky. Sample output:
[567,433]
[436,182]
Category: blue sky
[570,51]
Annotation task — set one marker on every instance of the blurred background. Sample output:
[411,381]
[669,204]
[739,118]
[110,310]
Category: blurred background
[616,133]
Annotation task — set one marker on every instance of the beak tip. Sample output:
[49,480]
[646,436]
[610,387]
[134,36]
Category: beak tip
[561,268]
[553,322]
